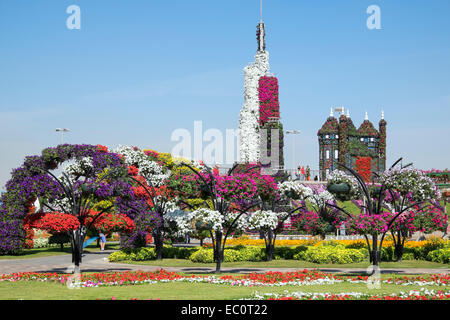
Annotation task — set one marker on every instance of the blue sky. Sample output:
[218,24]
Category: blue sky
[137,70]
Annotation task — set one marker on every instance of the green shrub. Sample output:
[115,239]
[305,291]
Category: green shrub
[387,253]
[143,254]
[364,251]
[231,255]
[251,253]
[330,254]
[140,254]
[440,255]
[117,256]
[207,256]
[203,256]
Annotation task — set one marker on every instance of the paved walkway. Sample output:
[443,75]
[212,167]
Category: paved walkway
[97,262]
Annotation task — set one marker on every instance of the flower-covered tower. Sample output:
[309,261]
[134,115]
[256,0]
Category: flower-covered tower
[363,149]
[261,109]
[328,145]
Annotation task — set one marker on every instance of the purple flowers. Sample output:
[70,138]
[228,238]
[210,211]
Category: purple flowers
[30,181]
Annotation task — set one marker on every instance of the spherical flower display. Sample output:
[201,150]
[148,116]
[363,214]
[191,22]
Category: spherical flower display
[340,177]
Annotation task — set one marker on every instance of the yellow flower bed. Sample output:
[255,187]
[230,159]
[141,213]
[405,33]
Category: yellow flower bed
[316,242]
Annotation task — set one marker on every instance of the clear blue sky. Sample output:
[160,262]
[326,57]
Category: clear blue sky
[137,70]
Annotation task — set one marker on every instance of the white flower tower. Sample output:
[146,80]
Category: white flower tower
[249,141]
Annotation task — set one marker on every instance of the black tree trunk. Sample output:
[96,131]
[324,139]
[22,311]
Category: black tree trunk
[218,253]
[270,246]
[158,244]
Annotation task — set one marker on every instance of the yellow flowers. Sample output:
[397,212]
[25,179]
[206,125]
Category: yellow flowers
[316,242]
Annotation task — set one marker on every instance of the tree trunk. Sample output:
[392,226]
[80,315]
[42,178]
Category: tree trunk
[77,239]
[399,248]
[398,252]
[218,254]
[269,247]
[375,254]
[158,244]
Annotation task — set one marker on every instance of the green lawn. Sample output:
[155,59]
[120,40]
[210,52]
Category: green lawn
[54,251]
[288,264]
[175,291]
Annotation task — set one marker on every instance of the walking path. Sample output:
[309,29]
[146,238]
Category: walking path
[97,262]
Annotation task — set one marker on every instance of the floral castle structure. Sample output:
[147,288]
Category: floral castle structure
[362,149]
[260,129]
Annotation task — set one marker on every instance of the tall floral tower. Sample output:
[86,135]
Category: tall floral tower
[261,109]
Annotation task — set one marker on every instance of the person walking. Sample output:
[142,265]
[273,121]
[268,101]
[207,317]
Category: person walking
[102,241]
[303,173]
[308,173]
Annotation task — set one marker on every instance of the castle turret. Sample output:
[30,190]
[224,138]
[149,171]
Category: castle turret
[328,145]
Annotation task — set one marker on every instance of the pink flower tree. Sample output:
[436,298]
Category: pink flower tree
[406,188]
[227,198]
[322,218]
[275,208]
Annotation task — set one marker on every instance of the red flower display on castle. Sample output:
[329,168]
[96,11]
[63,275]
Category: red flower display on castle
[363,166]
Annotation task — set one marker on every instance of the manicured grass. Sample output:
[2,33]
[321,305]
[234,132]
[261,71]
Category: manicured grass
[30,290]
[38,253]
[288,264]
[56,251]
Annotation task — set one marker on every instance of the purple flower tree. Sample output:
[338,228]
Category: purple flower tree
[95,175]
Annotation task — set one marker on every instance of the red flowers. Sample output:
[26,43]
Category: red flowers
[102,148]
[53,222]
[110,222]
[363,166]
[133,171]
[57,222]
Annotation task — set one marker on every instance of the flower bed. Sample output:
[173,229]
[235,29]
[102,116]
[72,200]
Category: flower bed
[422,294]
[339,252]
[268,279]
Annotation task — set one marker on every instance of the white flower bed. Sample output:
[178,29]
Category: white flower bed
[423,292]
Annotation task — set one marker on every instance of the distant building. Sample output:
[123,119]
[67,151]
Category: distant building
[340,141]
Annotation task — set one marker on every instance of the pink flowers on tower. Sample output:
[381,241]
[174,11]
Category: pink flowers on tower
[269,106]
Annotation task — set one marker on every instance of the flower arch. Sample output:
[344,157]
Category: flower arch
[31,181]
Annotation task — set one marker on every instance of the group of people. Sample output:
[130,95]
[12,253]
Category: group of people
[303,174]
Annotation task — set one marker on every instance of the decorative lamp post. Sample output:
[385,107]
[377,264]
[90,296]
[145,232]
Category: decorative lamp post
[62,133]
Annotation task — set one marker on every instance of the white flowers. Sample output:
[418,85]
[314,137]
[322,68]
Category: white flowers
[410,181]
[249,115]
[150,170]
[294,190]
[79,167]
[211,219]
[265,220]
